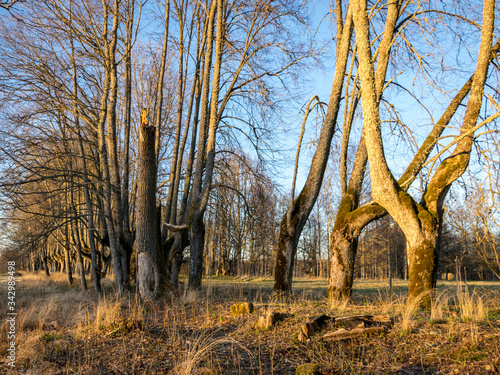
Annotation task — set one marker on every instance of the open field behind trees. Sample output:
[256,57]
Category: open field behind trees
[62,330]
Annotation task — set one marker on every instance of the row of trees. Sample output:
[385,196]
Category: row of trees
[75,78]
[126,146]
[466,251]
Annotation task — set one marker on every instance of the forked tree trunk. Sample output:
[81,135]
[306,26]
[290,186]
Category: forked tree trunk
[117,252]
[419,222]
[350,219]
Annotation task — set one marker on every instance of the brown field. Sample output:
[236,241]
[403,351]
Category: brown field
[62,330]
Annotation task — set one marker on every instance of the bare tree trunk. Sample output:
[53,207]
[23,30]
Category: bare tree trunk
[164,251]
[296,216]
[348,225]
[161,78]
[350,220]
[128,239]
[45,262]
[180,241]
[148,277]
[200,192]
[78,243]
[117,254]
[67,260]
[171,207]
[85,186]
[112,143]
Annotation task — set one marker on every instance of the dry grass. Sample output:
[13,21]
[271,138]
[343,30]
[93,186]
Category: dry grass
[63,330]
[472,306]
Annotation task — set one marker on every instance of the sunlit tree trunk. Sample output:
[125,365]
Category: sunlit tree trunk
[148,277]
[296,216]
[419,222]
[206,154]
[112,140]
[127,237]
[96,277]
[171,205]
[348,224]
[107,139]
[67,258]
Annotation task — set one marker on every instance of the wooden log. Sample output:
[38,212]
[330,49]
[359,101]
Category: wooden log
[353,321]
[269,320]
[343,334]
[383,320]
[314,325]
[352,318]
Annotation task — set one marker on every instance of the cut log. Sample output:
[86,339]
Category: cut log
[269,320]
[347,326]
[343,319]
[242,308]
[383,320]
[343,334]
[353,321]
[314,325]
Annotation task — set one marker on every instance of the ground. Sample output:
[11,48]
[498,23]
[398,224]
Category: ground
[61,330]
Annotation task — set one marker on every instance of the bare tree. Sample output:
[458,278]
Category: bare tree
[8,4]
[298,212]
[419,222]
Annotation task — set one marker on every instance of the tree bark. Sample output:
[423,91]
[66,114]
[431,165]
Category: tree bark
[117,253]
[348,224]
[148,278]
[127,237]
[296,216]
[67,260]
[208,128]
[85,180]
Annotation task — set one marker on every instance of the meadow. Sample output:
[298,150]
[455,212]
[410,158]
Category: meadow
[62,330]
